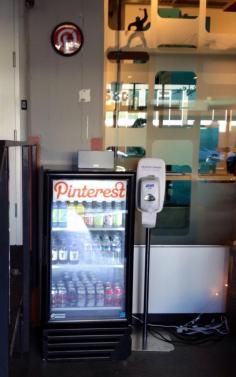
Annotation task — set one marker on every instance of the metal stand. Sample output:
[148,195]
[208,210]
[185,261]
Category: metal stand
[146,288]
[140,339]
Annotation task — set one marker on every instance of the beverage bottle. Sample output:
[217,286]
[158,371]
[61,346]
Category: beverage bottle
[54,298]
[117,294]
[54,214]
[97,249]
[117,214]
[123,209]
[106,248]
[66,277]
[99,294]
[98,214]
[74,276]
[79,209]
[62,253]
[70,214]
[90,295]
[108,217]
[72,295]
[81,295]
[62,214]
[88,250]
[62,296]
[108,294]
[116,248]
[74,253]
[88,214]
[54,254]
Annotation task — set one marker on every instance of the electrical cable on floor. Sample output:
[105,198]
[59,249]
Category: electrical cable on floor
[192,332]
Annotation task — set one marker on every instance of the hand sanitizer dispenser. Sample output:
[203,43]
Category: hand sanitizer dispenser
[150,194]
[151,179]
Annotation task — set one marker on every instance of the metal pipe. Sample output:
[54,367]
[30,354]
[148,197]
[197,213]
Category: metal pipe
[146,288]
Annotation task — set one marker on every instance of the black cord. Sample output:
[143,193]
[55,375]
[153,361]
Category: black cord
[185,339]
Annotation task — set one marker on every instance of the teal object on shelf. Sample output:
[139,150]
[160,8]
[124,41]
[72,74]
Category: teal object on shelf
[169,12]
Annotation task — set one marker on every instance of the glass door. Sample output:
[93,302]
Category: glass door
[87,249]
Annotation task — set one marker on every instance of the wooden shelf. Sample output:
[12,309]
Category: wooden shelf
[201,177]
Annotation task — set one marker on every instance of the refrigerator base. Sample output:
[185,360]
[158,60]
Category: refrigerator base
[86,343]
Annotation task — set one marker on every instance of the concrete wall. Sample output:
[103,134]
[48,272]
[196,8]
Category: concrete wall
[55,114]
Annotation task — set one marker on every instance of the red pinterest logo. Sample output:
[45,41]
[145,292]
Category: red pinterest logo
[63,189]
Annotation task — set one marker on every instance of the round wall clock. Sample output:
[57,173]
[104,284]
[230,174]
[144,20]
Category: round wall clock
[67,39]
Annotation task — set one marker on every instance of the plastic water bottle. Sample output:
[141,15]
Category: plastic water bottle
[97,249]
[88,250]
[116,248]
[106,248]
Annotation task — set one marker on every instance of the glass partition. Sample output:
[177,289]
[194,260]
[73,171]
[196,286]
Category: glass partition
[174,95]
[126,105]
[180,105]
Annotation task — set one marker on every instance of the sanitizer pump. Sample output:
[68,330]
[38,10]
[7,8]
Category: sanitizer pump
[151,179]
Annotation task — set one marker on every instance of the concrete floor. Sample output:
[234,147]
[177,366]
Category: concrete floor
[207,360]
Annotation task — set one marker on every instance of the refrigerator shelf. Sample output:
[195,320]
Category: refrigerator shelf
[90,308]
[85,266]
[114,229]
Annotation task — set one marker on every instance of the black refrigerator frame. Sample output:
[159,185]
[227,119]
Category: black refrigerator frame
[86,339]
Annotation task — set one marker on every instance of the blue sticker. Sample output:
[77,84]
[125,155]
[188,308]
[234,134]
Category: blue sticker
[122,314]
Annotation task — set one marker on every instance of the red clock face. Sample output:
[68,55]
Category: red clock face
[67,39]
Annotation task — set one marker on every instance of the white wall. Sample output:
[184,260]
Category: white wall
[7,104]
[63,124]
[183,279]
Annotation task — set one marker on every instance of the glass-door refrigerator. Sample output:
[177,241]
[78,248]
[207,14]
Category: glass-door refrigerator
[87,264]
